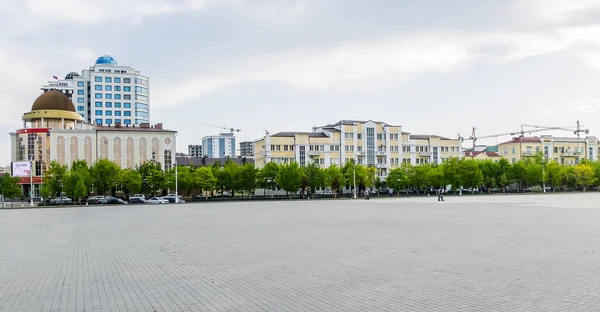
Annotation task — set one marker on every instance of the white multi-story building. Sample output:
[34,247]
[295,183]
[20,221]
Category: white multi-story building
[195,151]
[219,146]
[107,93]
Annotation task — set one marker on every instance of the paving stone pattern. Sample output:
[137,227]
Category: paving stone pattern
[499,253]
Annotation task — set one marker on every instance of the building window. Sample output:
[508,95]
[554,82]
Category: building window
[155,150]
[103,146]
[98,121]
[302,156]
[108,113]
[109,121]
[117,96]
[141,106]
[127,97]
[117,80]
[98,87]
[127,121]
[108,104]
[98,104]
[117,88]
[127,105]
[117,120]
[108,96]
[117,104]
[117,113]
[98,79]
[108,88]
[80,108]
[107,79]
[98,95]
[79,100]
[126,113]
[127,80]
[80,84]
[80,92]
[143,148]
[168,162]
[98,113]
[514,151]
[127,88]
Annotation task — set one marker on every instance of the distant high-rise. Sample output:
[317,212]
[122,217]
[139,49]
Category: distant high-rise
[195,151]
[107,93]
[247,149]
[219,146]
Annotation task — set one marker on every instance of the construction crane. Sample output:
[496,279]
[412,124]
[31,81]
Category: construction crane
[576,130]
[232,130]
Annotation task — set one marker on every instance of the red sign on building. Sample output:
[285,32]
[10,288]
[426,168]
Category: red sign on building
[26,180]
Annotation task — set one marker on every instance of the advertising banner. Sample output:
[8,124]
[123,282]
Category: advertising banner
[21,169]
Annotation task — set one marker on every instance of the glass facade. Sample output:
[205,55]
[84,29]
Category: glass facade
[370,146]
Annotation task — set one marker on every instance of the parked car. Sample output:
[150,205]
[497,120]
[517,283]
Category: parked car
[157,200]
[173,199]
[109,200]
[138,196]
[200,197]
[61,200]
[137,200]
[95,199]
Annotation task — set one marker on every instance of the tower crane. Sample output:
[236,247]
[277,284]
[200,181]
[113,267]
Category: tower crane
[576,130]
[232,130]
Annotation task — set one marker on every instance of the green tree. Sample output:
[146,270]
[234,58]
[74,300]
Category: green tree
[489,170]
[153,178]
[204,179]
[370,176]
[54,177]
[533,173]
[471,175]
[397,179]
[349,170]
[518,172]
[585,175]
[105,175]
[334,179]
[182,175]
[131,181]
[452,173]
[379,185]
[227,177]
[420,175]
[436,175]
[290,178]
[45,192]
[314,176]
[267,177]
[554,174]
[79,190]
[503,173]
[74,184]
[10,188]
[246,176]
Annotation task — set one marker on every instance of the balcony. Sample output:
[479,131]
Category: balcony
[264,153]
[315,153]
[380,153]
[425,154]
[381,166]
[528,153]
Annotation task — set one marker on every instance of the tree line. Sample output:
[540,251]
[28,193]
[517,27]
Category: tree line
[105,177]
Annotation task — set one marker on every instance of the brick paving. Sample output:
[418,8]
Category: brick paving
[506,253]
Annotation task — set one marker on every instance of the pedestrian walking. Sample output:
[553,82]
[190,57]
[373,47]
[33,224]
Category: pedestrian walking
[441,196]
[366,194]
[391,192]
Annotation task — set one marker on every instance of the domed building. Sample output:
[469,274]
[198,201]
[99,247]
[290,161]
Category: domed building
[53,130]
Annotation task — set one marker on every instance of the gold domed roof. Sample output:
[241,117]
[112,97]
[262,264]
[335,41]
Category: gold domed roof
[53,100]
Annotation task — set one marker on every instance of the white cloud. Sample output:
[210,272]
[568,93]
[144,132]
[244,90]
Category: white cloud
[92,11]
[556,11]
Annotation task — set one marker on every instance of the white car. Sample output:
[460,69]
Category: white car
[157,200]
[138,196]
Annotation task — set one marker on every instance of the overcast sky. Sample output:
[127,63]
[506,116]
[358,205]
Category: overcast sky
[432,66]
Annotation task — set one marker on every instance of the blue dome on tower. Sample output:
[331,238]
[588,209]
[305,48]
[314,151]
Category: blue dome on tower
[106,60]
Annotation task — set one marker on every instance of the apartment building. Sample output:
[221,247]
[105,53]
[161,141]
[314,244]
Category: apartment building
[562,150]
[371,143]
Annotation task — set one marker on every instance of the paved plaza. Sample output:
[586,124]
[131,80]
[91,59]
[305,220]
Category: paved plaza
[484,253]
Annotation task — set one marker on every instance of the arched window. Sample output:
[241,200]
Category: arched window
[143,150]
[88,150]
[60,150]
[103,146]
[129,151]
[74,148]
[155,150]
[117,151]
[168,160]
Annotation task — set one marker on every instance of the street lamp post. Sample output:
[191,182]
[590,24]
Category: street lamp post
[31,182]
[176,187]
[354,174]
[61,189]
